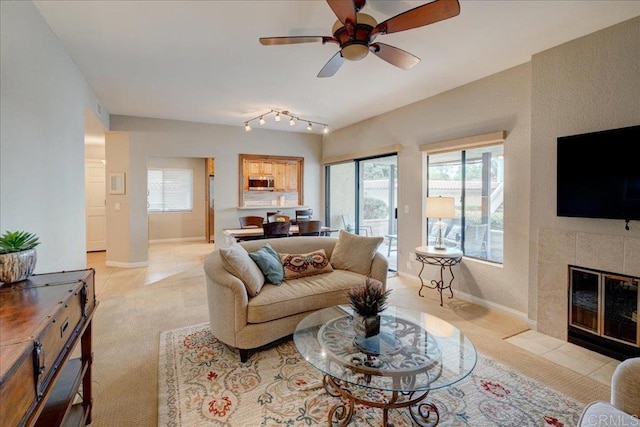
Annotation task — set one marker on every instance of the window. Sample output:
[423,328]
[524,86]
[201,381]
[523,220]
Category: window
[474,177]
[169,190]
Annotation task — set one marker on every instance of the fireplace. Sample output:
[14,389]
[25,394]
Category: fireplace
[603,312]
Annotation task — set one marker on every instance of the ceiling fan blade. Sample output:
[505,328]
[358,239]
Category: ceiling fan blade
[270,41]
[429,13]
[332,66]
[394,56]
[345,10]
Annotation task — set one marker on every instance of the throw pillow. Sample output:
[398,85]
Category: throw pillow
[355,253]
[269,262]
[236,260]
[299,265]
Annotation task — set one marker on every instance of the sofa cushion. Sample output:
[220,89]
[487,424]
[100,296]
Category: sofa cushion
[236,260]
[299,265]
[303,294]
[269,263]
[355,253]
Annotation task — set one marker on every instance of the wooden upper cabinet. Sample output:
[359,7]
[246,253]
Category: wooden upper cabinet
[292,176]
[280,173]
[260,167]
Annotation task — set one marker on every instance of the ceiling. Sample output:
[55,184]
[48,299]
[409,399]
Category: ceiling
[201,60]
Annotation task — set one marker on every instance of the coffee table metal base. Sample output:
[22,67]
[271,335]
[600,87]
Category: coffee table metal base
[422,412]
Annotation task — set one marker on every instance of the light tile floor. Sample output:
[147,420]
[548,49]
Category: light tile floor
[576,358]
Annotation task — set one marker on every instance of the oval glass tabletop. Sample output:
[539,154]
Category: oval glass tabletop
[414,351]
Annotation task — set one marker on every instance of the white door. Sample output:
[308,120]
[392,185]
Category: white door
[95,196]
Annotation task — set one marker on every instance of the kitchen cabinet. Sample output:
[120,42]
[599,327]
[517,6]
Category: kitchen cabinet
[287,173]
[292,176]
[260,167]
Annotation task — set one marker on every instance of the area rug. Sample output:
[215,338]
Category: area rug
[202,382]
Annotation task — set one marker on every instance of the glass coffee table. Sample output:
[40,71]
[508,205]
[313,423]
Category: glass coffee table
[413,354]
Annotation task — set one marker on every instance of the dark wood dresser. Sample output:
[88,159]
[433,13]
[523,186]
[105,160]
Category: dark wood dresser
[43,321]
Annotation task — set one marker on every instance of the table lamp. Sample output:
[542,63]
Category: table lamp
[440,207]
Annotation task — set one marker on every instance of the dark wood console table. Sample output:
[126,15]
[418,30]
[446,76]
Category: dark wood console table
[42,320]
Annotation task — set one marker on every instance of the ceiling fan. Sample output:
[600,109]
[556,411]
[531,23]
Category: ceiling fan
[356,32]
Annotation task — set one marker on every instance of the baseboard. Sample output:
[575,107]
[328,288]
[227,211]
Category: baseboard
[479,301]
[127,264]
[178,239]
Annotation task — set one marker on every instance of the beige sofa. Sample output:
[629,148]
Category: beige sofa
[241,320]
[624,408]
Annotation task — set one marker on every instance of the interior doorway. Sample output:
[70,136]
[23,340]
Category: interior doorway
[210,220]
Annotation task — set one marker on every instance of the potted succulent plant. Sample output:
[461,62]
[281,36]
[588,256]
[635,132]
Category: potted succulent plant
[367,302]
[17,255]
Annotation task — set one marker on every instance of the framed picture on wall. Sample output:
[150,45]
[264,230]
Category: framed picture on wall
[117,183]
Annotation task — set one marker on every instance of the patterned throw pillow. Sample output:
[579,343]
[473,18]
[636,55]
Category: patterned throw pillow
[299,265]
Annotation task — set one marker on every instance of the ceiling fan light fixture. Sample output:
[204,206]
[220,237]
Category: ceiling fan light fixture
[309,127]
[326,129]
[292,122]
[355,51]
[247,128]
[261,121]
[277,119]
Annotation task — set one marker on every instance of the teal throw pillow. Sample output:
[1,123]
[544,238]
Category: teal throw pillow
[269,262]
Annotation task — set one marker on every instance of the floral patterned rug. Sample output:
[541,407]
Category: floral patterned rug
[202,382]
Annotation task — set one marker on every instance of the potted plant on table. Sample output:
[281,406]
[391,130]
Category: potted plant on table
[367,302]
[17,255]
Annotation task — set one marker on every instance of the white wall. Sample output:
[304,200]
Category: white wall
[498,102]
[43,96]
[586,85]
[181,225]
[168,138]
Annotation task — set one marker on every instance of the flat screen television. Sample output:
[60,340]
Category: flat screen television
[599,174]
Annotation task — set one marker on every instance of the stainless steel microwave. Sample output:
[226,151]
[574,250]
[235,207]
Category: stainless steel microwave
[261,183]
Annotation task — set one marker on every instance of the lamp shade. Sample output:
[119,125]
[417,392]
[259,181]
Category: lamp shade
[440,207]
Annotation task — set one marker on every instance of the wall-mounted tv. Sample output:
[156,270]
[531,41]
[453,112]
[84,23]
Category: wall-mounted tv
[599,174]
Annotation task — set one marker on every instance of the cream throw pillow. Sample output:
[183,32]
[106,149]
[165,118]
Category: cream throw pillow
[236,260]
[355,253]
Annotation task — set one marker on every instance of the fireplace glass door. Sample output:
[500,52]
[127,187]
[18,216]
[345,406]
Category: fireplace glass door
[620,308]
[585,300]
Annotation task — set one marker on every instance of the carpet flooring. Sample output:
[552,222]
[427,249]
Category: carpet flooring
[201,382]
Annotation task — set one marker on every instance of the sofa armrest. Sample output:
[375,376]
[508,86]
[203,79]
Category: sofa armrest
[379,268]
[227,298]
[625,386]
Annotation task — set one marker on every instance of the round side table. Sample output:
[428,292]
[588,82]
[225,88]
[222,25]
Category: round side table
[447,257]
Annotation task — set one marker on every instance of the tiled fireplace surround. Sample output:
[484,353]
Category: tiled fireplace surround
[559,248]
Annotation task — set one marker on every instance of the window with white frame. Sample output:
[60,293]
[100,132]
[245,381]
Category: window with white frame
[169,190]
[473,174]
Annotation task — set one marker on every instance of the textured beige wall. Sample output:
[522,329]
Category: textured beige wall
[586,85]
[498,102]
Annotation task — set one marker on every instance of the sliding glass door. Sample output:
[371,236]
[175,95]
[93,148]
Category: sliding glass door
[362,198]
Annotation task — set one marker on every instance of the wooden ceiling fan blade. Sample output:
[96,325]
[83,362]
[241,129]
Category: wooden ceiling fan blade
[426,14]
[345,10]
[332,66]
[270,41]
[394,56]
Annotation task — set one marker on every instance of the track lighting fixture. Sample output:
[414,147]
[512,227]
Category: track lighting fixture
[292,120]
